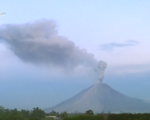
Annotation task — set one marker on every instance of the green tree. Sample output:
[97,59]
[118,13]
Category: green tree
[25,113]
[89,112]
[37,113]
[53,113]
[63,114]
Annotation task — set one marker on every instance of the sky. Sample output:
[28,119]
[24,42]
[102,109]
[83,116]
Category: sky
[48,49]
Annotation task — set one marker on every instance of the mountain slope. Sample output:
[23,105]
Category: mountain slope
[101,98]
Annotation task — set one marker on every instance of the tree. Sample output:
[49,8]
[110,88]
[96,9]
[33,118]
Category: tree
[89,112]
[25,113]
[37,113]
[2,109]
[63,114]
[53,113]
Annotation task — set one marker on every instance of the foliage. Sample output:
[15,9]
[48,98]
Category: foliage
[89,112]
[85,117]
[14,114]
[129,116]
[39,114]
[53,113]
[63,115]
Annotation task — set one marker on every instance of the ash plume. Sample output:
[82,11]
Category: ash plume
[39,43]
[100,70]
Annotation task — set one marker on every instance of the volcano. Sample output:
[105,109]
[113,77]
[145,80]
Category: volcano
[101,98]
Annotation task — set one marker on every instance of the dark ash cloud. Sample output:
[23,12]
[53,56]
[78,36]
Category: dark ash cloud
[111,46]
[39,43]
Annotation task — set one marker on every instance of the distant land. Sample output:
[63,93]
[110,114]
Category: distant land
[101,98]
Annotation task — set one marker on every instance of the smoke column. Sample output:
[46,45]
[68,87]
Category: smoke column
[39,43]
[100,70]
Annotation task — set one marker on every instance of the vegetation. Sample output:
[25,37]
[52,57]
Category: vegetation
[85,117]
[14,114]
[39,114]
[129,116]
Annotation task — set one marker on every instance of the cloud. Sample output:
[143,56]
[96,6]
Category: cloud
[39,43]
[113,45]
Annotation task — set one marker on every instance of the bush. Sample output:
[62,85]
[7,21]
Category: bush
[85,117]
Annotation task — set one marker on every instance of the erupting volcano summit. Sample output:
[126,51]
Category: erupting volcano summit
[101,98]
